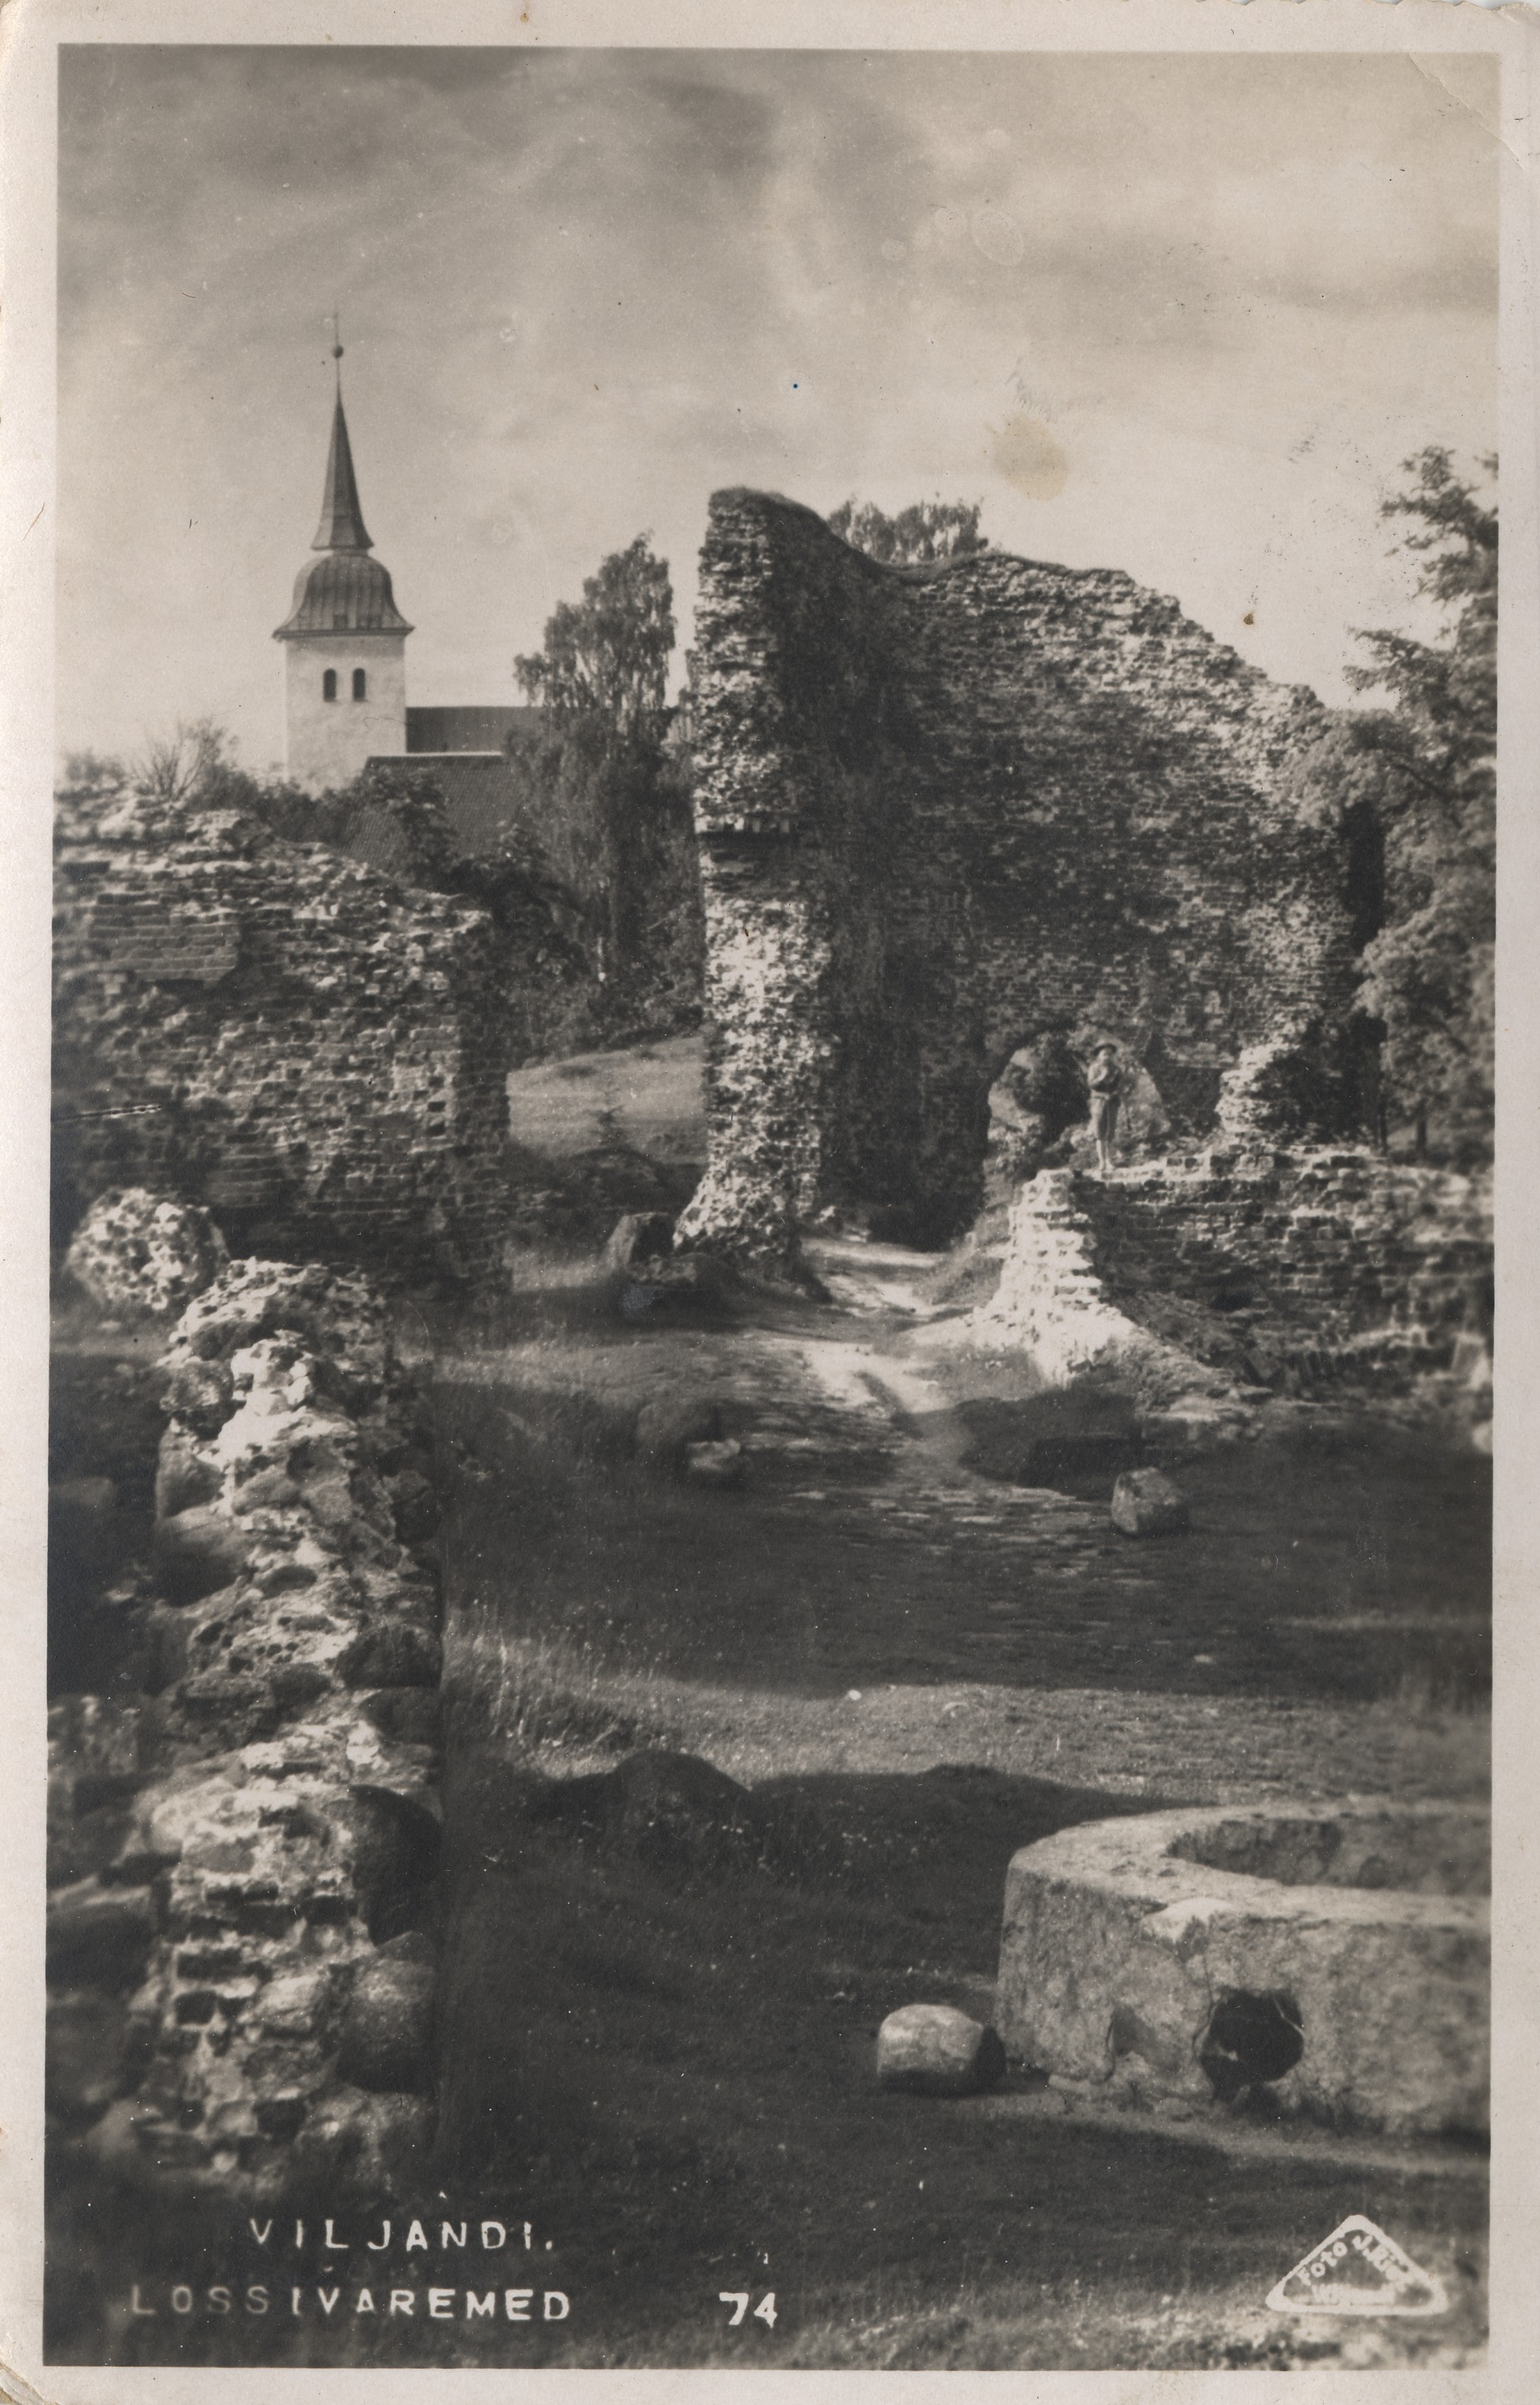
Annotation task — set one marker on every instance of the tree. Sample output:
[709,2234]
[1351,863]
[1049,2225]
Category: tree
[609,801]
[608,655]
[173,767]
[924,533]
[1431,759]
[89,767]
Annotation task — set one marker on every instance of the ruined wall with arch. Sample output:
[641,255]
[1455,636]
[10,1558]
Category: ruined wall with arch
[942,810]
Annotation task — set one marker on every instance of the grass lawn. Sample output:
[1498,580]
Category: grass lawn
[672,2068]
[916,1668]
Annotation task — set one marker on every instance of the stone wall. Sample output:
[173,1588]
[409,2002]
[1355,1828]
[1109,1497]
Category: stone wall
[942,810]
[1055,1302]
[1313,1265]
[242,1831]
[313,1051]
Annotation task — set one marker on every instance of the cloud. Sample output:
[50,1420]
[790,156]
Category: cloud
[581,288]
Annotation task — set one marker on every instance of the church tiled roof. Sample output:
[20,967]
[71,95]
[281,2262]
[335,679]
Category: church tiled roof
[343,591]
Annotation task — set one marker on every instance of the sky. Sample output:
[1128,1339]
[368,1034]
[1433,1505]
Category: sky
[1180,314]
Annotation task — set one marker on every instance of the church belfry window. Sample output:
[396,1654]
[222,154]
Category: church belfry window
[360,685]
[328,685]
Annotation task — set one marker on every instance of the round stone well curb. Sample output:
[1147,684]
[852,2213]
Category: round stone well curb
[1335,1957]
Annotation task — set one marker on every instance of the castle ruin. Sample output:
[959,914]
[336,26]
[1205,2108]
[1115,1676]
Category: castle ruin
[946,811]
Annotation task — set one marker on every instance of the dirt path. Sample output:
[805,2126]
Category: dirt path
[887,1594]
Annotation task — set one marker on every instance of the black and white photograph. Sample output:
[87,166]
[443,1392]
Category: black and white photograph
[769,1276]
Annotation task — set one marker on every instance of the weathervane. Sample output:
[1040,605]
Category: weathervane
[336,323]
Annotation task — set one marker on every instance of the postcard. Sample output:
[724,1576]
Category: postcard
[772,836]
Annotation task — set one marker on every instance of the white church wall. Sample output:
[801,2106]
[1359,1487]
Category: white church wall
[328,742]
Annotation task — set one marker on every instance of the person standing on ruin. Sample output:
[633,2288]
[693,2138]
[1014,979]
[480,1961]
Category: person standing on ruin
[1104,1076]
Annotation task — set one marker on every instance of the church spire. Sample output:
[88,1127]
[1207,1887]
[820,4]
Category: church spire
[345,640]
[342,526]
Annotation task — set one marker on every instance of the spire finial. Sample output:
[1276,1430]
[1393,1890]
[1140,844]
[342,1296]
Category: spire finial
[337,341]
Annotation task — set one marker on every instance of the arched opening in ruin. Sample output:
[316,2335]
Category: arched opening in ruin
[1036,1094]
[1040,1103]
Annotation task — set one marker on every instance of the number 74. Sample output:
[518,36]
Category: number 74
[738,2299]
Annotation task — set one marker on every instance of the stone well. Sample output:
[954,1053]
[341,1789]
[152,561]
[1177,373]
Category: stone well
[1332,1958]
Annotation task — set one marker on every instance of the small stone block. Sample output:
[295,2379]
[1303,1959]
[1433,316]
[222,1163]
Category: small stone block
[1147,1503]
[719,1464]
[935,2051]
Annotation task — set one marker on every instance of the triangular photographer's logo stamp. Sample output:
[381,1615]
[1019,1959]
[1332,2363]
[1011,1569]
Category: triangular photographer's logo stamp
[1358,2270]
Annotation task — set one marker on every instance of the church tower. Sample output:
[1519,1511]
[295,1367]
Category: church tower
[344,641]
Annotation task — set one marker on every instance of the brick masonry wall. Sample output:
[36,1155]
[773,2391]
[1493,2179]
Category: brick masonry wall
[940,810]
[1180,1276]
[1340,1250]
[1054,1302]
[310,1049]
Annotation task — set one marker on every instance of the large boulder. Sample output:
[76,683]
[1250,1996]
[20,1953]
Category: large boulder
[392,1653]
[414,1504]
[935,2051]
[680,1812]
[363,2146]
[138,1252]
[674,1811]
[395,1841]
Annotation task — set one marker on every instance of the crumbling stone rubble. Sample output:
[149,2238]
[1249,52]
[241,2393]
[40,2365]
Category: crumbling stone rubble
[241,1931]
[140,1253]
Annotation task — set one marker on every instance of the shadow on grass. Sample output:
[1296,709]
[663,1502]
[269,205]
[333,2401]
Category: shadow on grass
[662,2045]
[1347,1565]
[671,2062]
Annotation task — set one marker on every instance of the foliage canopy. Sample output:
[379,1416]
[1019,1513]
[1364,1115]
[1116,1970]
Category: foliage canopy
[1430,760]
[922,533]
[608,655]
[607,789]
